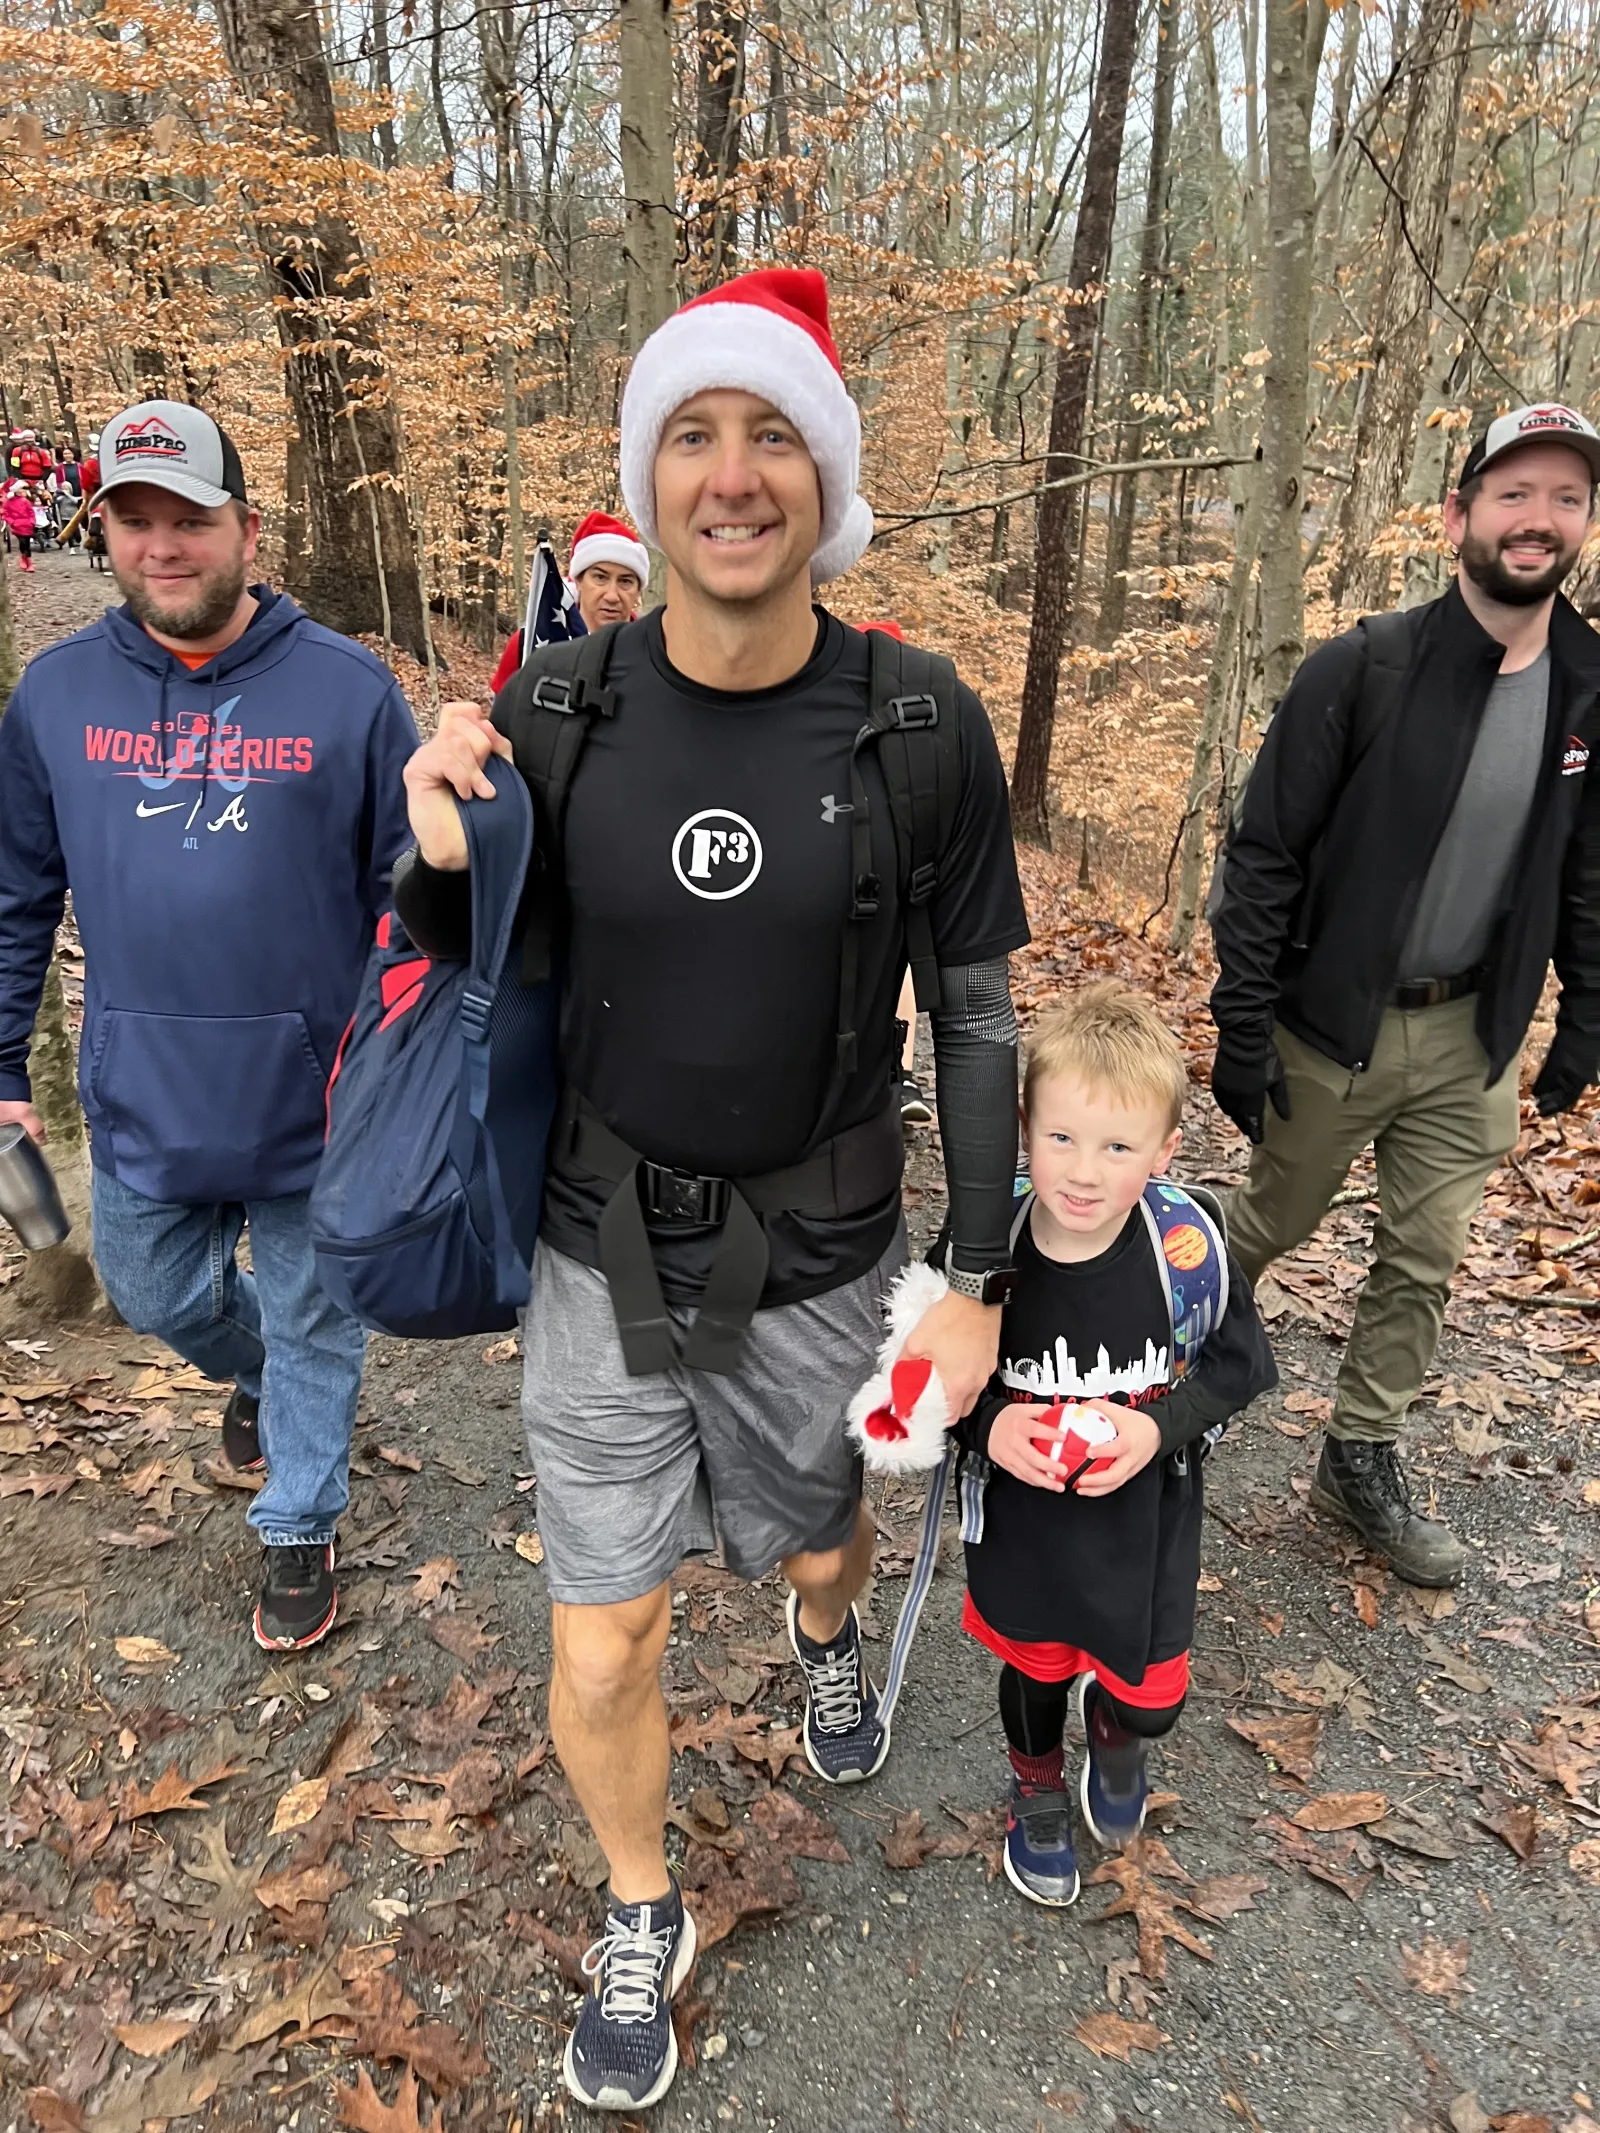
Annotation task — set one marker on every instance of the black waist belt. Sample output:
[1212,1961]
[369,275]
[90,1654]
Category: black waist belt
[1433,992]
[845,1176]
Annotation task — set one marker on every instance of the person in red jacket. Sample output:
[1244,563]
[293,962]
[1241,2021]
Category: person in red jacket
[607,569]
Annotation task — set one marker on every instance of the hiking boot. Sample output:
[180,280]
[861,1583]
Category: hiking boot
[845,1740]
[915,1109]
[622,2055]
[241,1435]
[1365,1485]
[1113,1799]
[298,1597]
[1039,1858]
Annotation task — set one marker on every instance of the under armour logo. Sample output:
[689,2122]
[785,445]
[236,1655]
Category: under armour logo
[832,809]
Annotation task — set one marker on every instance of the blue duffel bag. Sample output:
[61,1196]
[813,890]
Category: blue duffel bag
[426,1206]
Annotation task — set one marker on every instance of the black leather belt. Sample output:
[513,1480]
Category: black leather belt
[1433,992]
[845,1176]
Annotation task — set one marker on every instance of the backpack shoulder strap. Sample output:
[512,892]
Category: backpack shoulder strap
[1388,641]
[1192,1261]
[545,710]
[914,716]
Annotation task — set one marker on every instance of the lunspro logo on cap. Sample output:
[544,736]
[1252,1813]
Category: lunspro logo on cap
[150,439]
[1551,418]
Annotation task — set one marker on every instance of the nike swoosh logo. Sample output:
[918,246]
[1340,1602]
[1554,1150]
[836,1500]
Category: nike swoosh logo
[141,809]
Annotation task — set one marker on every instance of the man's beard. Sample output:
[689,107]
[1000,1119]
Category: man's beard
[212,606]
[1482,564]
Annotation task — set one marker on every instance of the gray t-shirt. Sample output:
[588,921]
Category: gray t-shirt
[1461,896]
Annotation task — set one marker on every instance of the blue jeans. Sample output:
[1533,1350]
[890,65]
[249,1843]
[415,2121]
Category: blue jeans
[171,1271]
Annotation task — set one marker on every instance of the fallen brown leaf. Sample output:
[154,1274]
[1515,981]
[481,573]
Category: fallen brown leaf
[54,2113]
[1341,1810]
[38,1486]
[791,1826]
[687,2015]
[1437,1968]
[317,1999]
[173,1792]
[1219,1898]
[1289,1739]
[365,2110]
[301,1804]
[312,1884]
[530,1547]
[435,1578]
[1110,2036]
[150,2039]
[1514,1822]
[140,1537]
[407,1462]
[1137,1873]
[721,1894]
[145,1651]
[231,1908]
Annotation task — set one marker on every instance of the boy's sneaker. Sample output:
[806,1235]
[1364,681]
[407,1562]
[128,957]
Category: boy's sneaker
[241,1434]
[915,1109]
[1113,1816]
[1039,1857]
[845,1740]
[622,2055]
[298,1598]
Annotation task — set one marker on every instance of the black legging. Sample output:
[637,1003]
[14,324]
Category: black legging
[1034,1715]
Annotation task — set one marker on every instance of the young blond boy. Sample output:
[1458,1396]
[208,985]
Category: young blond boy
[1087,1589]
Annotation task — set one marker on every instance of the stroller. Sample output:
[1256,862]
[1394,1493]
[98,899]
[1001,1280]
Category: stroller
[64,508]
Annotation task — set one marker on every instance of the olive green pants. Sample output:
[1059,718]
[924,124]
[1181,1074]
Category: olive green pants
[1437,1132]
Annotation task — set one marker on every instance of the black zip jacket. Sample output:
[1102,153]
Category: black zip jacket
[1333,844]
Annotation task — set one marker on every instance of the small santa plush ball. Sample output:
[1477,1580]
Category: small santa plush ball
[1072,1433]
[901,1418]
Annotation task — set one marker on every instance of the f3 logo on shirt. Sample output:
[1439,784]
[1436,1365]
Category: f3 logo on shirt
[716,854]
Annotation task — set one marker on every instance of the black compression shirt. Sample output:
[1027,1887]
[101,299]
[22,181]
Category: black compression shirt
[706,858]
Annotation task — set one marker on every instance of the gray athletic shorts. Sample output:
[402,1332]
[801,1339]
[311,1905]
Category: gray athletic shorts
[636,1473]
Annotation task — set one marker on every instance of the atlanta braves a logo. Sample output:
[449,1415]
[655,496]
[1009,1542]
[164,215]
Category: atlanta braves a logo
[716,854]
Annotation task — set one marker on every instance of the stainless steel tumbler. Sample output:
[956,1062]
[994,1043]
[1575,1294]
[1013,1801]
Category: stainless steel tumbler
[28,1196]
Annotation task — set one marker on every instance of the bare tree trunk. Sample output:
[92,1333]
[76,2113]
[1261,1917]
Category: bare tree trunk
[1425,574]
[719,41]
[1294,33]
[1200,804]
[498,44]
[649,233]
[1152,240]
[383,82]
[441,116]
[1415,214]
[358,570]
[1053,548]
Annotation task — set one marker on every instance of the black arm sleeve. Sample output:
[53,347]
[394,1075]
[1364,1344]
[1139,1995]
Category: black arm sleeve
[1293,785]
[1235,1365]
[975,1054]
[972,1431]
[434,907]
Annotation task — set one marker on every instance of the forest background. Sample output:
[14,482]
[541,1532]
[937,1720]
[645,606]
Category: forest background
[1167,318]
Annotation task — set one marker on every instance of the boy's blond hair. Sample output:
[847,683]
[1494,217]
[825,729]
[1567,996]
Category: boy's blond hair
[1112,1039]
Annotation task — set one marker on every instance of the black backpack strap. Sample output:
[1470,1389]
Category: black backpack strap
[1389,642]
[914,712]
[545,711]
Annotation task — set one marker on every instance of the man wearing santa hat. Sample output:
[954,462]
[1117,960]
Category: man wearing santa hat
[722,1208]
[606,574]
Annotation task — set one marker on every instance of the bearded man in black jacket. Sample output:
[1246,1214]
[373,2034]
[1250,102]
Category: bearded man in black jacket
[1419,838]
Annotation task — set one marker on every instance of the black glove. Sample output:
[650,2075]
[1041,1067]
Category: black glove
[1562,1079]
[1242,1081]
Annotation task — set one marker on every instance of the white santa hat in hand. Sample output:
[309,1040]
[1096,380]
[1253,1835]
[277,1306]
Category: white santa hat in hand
[901,1417]
[765,333]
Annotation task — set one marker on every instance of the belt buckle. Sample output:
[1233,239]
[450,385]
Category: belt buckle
[683,1196]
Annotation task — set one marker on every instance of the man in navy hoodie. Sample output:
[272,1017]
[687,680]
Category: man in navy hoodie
[216,778]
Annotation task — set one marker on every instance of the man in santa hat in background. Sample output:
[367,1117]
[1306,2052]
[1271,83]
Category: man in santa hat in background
[605,581]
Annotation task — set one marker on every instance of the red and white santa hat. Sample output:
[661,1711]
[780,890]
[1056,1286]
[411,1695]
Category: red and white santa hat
[764,333]
[900,1419]
[600,538]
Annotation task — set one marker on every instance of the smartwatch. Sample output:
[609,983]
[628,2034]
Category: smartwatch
[993,1286]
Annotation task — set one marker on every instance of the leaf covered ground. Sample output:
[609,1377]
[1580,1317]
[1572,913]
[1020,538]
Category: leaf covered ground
[353,1889]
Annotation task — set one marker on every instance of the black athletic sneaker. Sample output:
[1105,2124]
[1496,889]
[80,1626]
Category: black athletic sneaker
[1365,1485]
[622,2055]
[915,1109]
[298,1598]
[845,1740]
[241,1436]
